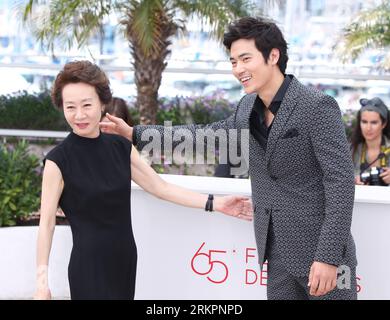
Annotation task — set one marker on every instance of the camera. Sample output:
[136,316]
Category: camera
[371,177]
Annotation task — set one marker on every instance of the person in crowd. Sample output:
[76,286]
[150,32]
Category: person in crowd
[88,175]
[300,167]
[118,107]
[371,143]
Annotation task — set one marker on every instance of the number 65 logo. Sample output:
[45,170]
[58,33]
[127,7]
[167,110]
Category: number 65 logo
[212,264]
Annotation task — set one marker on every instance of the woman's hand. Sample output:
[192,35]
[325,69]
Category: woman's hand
[385,175]
[42,294]
[236,206]
[116,125]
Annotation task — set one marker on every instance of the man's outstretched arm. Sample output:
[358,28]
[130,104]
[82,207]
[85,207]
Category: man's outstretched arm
[140,134]
[200,140]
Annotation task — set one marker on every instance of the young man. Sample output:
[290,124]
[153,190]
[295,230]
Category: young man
[300,167]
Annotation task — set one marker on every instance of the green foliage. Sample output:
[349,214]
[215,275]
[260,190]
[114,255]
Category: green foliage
[350,121]
[34,112]
[70,22]
[65,23]
[20,183]
[134,115]
[170,110]
[147,25]
[209,109]
[369,29]
[200,110]
[187,110]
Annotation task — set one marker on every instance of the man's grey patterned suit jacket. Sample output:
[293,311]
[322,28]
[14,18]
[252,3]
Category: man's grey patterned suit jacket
[305,179]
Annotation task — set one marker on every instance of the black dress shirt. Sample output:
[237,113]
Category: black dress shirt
[257,125]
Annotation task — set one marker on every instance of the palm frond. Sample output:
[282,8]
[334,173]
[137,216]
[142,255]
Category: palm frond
[27,11]
[64,23]
[217,13]
[143,22]
[370,29]
[146,24]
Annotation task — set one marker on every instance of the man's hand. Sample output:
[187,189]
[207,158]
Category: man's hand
[236,206]
[322,278]
[385,175]
[116,125]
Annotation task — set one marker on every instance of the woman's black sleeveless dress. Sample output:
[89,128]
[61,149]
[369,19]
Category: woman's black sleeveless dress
[96,201]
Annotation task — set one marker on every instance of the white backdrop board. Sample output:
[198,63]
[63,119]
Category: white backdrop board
[192,254]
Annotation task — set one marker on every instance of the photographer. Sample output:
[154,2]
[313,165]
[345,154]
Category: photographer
[371,143]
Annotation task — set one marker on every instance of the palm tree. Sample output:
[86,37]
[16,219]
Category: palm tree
[370,29]
[148,27]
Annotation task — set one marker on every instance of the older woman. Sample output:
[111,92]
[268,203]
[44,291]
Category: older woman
[88,175]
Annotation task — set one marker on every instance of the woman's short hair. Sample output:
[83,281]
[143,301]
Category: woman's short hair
[81,71]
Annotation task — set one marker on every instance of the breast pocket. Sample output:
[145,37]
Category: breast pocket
[290,140]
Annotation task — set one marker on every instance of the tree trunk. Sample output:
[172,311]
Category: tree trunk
[148,68]
[147,74]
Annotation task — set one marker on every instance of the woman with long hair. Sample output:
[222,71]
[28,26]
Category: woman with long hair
[371,139]
[118,108]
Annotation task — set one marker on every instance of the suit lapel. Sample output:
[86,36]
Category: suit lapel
[288,105]
[246,109]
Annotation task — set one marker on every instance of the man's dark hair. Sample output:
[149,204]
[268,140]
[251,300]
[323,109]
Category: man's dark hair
[266,34]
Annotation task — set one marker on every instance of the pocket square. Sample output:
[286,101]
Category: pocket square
[291,133]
